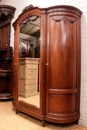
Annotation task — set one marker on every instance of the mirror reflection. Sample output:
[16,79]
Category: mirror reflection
[29,61]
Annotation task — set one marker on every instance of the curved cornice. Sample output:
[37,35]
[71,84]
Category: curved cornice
[6,14]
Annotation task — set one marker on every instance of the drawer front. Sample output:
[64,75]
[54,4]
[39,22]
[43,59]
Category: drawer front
[31,72]
[32,61]
[31,81]
[27,72]
[29,61]
[28,66]
[25,86]
[30,91]
[31,76]
[31,86]
[23,66]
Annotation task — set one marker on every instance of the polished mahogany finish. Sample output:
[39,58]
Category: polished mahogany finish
[6,52]
[60,64]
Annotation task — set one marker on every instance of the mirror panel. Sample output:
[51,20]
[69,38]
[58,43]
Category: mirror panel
[29,61]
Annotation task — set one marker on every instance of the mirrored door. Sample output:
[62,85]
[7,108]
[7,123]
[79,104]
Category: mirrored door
[29,61]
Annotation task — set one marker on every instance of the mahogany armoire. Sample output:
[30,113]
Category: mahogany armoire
[54,33]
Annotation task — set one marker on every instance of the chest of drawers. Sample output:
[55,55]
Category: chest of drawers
[28,76]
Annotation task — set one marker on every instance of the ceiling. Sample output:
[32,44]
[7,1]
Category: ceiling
[30,28]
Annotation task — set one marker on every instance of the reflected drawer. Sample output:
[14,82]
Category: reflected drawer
[31,76]
[31,66]
[32,61]
[29,91]
[31,71]
[31,81]
[29,60]
[31,86]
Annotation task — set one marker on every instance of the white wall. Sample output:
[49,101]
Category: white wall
[82,5]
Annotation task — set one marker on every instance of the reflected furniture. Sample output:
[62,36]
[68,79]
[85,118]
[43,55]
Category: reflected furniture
[60,62]
[6,52]
[28,76]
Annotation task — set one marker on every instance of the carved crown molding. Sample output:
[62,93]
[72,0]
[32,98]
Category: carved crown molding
[29,18]
[6,14]
[27,8]
[65,19]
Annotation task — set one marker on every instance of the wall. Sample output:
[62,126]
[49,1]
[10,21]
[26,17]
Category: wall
[82,5]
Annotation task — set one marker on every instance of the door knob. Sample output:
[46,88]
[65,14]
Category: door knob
[47,64]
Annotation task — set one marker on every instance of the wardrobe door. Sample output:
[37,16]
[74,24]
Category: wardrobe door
[61,65]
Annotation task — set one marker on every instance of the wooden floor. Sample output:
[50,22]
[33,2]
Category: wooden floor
[9,120]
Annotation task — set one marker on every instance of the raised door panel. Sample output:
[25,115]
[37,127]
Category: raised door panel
[62,54]
[64,104]
[61,67]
